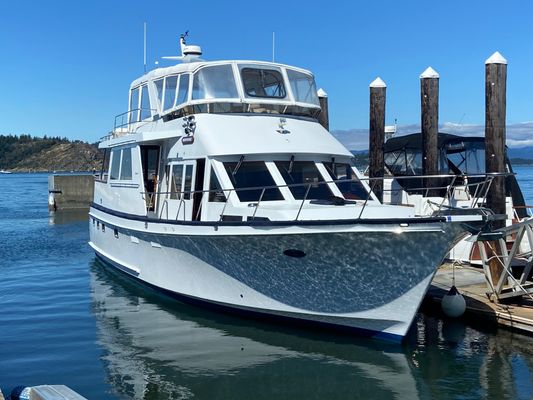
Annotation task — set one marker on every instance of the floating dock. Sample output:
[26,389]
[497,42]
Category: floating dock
[472,284]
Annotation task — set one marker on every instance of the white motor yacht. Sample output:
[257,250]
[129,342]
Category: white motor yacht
[222,188]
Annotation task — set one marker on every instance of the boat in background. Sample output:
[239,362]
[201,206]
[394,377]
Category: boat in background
[3,171]
[462,157]
[223,189]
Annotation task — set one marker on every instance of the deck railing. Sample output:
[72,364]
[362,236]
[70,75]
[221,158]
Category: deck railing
[477,190]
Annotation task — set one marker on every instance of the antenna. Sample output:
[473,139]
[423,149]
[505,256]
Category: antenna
[273,46]
[144,59]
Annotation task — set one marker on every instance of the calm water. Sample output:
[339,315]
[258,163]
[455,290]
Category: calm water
[64,319]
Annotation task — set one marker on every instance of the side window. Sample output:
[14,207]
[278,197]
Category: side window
[188,182]
[175,184]
[170,91]
[125,165]
[183,92]
[159,89]
[134,105]
[115,164]
[145,103]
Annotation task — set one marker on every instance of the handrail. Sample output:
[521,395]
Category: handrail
[128,122]
[485,186]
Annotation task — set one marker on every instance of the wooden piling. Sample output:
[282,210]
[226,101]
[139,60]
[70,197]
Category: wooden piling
[495,109]
[376,140]
[429,101]
[323,117]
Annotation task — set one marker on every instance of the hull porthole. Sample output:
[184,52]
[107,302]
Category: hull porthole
[294,253]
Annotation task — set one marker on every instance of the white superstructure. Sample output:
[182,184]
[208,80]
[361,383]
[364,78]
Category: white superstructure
[223,188]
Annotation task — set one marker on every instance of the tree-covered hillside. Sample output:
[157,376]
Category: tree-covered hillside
[26,153]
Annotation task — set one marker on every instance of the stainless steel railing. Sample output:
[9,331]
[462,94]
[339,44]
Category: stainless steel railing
[477,191]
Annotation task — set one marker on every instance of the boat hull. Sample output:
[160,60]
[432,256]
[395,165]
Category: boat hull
[368,278]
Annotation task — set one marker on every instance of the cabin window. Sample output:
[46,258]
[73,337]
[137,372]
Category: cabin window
[125,165]
[303,87]
[304,177]
[188,182]
[159,89]
[170,91]
[216,82]
[115,164]
[175,185]
[252,174]
[146,112]
[216,194]
[134,105]
[350,186]
[260,82]
[183,91]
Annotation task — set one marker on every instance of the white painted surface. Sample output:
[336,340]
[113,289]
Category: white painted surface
[496,58]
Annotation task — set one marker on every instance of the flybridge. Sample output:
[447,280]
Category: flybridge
[197,86]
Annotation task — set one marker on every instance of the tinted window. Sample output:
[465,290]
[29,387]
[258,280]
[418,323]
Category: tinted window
[305,175]
[134,105]
[252,174]
[263,83]
[115,164]
[352,189]
[125,169]
[183,92]
[216,194]
[170,91]
[145,103]
[215,82]
[303,87]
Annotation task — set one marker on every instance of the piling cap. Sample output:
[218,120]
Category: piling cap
[496,58]
[429,73]
[321,93]
[378,83]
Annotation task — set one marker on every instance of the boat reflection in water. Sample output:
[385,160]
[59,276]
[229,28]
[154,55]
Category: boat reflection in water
[157,348]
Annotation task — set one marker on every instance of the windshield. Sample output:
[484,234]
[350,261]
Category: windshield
[350,187]
[216,82]
[306,177]
[252,174]
[303,87]
[259,82]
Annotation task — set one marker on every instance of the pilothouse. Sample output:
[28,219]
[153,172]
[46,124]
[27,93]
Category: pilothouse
[222,188]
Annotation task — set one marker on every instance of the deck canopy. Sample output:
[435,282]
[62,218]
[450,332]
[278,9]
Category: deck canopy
[458,155]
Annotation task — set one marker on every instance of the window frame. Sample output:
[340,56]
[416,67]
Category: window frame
[244,67]
[136,109]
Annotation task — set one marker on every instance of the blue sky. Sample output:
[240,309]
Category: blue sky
[67,65]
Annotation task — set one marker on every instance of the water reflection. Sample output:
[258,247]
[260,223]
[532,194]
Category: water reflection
[158,348]
[68,216]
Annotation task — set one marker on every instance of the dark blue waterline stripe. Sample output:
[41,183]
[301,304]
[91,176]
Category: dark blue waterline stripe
[359,221]
[257,315]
